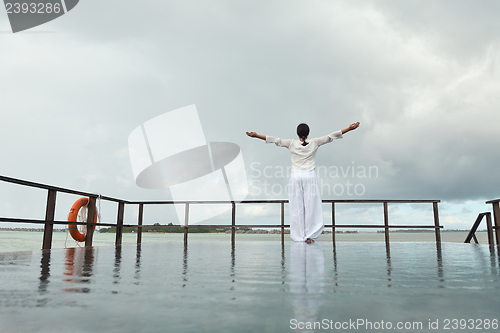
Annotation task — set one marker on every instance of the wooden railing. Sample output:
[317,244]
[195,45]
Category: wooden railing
[489,228]
[52,191]
[496,218]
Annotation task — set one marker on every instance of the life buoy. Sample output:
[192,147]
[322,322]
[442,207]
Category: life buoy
[72,217]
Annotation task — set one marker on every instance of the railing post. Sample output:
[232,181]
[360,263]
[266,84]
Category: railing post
[49,216]
[436,221]
[233,221]
[386,223]
[90,219]
[282,222]
[186,220]
[489,227]
[119,224]
[333,223]
[496,217]
[139,222]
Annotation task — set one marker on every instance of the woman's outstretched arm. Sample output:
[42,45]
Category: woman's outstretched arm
[255,135]
[271,139]
[351,127]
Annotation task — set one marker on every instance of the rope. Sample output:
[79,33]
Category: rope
[99,210]
[67,233]
[82,217]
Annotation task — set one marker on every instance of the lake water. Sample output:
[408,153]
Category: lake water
[23,240]
[253,286]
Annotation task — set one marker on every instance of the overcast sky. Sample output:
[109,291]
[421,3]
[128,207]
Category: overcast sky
[421,77]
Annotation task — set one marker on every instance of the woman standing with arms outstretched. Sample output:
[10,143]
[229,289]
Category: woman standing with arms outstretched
[306,213]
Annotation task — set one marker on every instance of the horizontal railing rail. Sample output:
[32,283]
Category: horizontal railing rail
[55,188]
[49,221]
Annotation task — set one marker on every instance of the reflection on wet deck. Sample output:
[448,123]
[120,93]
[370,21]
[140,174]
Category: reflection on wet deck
[216,286]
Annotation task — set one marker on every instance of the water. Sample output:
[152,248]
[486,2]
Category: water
[255,286]
[24,240]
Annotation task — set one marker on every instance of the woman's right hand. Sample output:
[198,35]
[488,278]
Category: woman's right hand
[255,135]
[252,134]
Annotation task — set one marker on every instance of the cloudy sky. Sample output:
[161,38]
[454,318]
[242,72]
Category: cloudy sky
[421,77]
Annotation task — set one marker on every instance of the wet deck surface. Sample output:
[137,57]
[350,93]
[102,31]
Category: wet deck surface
[253,286]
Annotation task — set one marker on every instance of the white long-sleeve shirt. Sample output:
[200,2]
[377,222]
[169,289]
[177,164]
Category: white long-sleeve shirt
[303,157]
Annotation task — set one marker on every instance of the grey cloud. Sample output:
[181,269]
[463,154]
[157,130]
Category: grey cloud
[421,78]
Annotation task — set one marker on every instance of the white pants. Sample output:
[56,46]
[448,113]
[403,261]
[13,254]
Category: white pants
[306,212]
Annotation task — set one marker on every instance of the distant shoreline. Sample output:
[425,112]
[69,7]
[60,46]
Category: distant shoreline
[30,229]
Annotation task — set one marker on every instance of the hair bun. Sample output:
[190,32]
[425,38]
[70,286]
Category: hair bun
[303,132]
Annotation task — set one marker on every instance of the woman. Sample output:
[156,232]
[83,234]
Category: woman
[306,213]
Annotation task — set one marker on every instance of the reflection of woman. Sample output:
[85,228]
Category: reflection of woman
[307,272]
[306,213]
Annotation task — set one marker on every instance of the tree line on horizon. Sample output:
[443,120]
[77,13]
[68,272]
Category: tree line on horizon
[169,228]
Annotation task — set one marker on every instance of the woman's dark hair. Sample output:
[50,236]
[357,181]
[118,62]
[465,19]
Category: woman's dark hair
[303,132]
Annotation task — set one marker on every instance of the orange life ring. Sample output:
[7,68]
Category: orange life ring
[72,217]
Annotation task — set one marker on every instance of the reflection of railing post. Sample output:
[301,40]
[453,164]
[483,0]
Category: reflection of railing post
[233,221]
[186,220]
[49,216]
[90,220]
[386,223]
[333,222]
[44,274]
[282,222]
[436,221]
[88,265]
[139,222]
[119,224]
